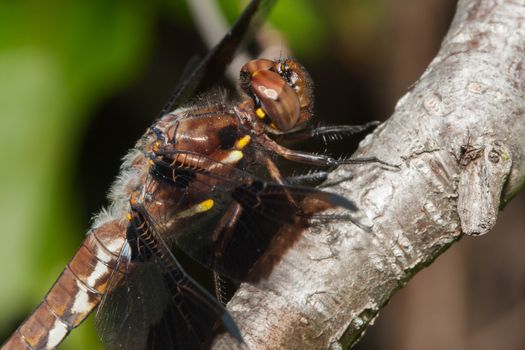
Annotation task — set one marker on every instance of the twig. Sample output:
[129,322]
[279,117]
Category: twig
[333,282]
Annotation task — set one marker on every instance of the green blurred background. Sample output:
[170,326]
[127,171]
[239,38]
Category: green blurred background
[81,80]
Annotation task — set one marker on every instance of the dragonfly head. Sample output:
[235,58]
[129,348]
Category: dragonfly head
[282,92]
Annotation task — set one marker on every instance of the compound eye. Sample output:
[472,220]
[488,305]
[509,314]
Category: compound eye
[278,99]
[256,65]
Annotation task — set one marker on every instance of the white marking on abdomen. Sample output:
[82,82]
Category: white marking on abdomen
[56,334]
[81,304]
[100,271]
[116,245]
[232,157]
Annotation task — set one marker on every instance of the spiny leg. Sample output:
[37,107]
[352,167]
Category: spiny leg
[311,176]
[336,131]
[316,159]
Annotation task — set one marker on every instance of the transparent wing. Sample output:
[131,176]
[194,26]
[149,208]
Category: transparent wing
[212,67]
[251,223]
[158,306]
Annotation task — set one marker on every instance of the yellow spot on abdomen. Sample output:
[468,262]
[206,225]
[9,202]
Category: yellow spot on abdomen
[197,208]
[243,141]
[260,113]
[206,205]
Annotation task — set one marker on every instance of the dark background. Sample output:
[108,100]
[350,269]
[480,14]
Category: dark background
[81,81]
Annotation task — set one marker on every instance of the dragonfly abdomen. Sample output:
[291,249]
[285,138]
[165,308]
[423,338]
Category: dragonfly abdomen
[76,292]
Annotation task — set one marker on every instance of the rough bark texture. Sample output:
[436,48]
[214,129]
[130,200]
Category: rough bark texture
[459,138]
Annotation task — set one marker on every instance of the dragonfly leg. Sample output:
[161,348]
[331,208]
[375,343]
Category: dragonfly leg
[276,176]
[315,159]
[330,131]
[307,178]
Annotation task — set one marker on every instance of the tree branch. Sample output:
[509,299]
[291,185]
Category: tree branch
[459,137]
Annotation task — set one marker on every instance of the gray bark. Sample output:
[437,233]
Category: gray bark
[459,138]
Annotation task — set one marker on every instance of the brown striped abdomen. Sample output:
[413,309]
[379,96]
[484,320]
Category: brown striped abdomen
[76,293]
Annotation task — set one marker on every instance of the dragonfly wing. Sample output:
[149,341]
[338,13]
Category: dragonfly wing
[158,306]
[212,67]
[248,215]
[127,312]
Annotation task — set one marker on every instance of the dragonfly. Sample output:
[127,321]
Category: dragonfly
[202,180]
